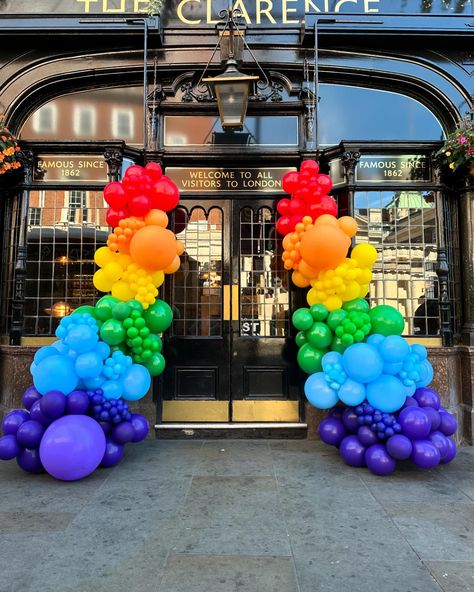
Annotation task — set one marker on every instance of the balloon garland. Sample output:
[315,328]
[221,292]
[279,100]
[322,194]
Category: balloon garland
[372,381]
[77,415]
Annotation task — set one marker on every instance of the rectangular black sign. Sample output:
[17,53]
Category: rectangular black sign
[405,168]
[70,169]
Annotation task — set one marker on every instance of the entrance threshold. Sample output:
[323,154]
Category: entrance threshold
[231,430]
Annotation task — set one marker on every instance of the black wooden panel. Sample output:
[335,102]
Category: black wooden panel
[196,383]
[262,382]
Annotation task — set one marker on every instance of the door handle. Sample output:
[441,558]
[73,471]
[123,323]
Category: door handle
[230,303]
[235,302]
[226,312]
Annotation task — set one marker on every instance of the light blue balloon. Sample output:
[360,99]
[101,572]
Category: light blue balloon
[136,382]
[394,349]
[362,362]
[386,393]
[113,389]
[44,352]
[376,339]
[72,353]
[55,373]
[410,390]
[81,338]
[319,393]
[426,374]
[94,383]
[330,359]
[420,351]
[60,346]
[395,368]
[88,365]
[102,349]
[352,393]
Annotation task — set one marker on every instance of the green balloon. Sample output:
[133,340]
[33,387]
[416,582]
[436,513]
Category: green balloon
[319,312]
[335,318]
[121,311]
[300,338]
[120,347]
[135,305]
[112,332]
[85,310]
[358,305]
[158,316]
[155,365]
[337,345]
[347,339]
[386,320]
[103,308]
[319,336]
[302,319]
[309,359]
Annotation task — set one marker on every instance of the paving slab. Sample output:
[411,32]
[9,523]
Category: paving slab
[453,576]
[235,458]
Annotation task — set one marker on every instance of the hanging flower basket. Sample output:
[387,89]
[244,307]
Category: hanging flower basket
[458,149]
[9,150]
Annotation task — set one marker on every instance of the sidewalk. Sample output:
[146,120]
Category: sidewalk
[238,516]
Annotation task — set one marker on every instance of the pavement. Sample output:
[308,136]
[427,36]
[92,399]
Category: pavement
[238,516]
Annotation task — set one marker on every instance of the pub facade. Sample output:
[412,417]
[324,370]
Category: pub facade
[368,87]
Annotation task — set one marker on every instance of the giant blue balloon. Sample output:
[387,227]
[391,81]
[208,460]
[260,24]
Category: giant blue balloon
[352,393]
[362,362]
[88,365]
[394,349]
[386,393]
[319,393]
[55,373]
[136,383]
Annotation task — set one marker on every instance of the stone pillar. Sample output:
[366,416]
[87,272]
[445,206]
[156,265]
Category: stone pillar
[466,249]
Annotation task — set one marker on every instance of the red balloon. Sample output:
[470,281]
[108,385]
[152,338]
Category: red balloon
[283,206]
[153,171]
[325,183]
[164,194]
[310,165]
[114,195]
[113,216]
[139,205]
[297,206]
[290,182]
[296,219]
[133,171]
[325,205]
[283,225]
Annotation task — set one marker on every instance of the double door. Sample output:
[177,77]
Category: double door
[230,357]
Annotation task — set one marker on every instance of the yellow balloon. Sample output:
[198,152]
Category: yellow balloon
[365,276]
[103,256]
[332,303]
[311,297]
[352,291]
[122,291]
[113,271]
[157,278]
[124,260]
[102,282]
[365,255]
[363,290]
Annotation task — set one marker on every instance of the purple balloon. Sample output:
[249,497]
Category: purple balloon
[352,451]
[379,460]
[349,419]
[331,431]
[38,415]
[13,420]
[30,396]
[451,453]
[427,397]
[77,403]
[72,447]
[123,432]
[415,423]
[53,404]
[29,461]
[141,427]
[336,411]
[410,402]
[113,454]
[441,443]
[399,447]
[9,447]
[448,424]
[29,434]
[366,436]
[106,427]
[425,454]
[435,419]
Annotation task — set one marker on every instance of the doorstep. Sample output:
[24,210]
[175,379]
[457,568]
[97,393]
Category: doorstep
[202,431]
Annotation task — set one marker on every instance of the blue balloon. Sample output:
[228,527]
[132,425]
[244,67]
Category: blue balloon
[420,351]
[392,368]
[362,362]
[410,390]
[44,352]
[88,365]
[386,393]
[376,339]
[319,393]
[60,346]
[113,389]
[94,383]
[55,373]
[352,393]
[137,381]
[394,349]
[330,359]
[81,338]
[102,349]
[426,374]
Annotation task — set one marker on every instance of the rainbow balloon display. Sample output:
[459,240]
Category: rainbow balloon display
[372,381]
[77,414]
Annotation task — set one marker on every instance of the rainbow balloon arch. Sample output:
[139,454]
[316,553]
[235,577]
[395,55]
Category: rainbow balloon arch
[77,416]
[374,384]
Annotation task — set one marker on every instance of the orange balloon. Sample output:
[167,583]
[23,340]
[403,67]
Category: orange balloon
[174,265]
[179,247]
[153,247]
[157,217]
[348,225]
[326,219]
[299,280]
[324,246]
[287,243]
[307,270]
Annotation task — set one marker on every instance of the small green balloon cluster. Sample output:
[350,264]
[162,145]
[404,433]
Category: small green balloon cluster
[126,326]
[351,324]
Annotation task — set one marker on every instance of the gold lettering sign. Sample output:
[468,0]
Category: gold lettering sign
[203,180]
[393,169]
[70,169]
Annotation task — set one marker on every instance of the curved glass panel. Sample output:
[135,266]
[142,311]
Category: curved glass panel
[356,113]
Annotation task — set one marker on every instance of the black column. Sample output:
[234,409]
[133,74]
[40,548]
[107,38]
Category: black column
[114,159]
[466,248]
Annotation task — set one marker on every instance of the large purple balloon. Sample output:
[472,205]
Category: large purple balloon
[352,451]
[77,403]
[30,396]
[379,460]
[9,447]
[448,424]
[29,434]
[38,415]
[425,454]
[399,446]
[53,404]
[410,402]
[113,454]
[141,427]
[366,436]
[29,461]
[13,420]
[451,453]
[427,397]
[123,432]
[331,431]
[415,423]
[441,443]
[434,416]
[72,447]
[349,419]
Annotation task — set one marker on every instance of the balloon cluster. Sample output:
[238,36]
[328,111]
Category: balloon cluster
[366,437]
[77,416]
[355,354]
[69,436]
